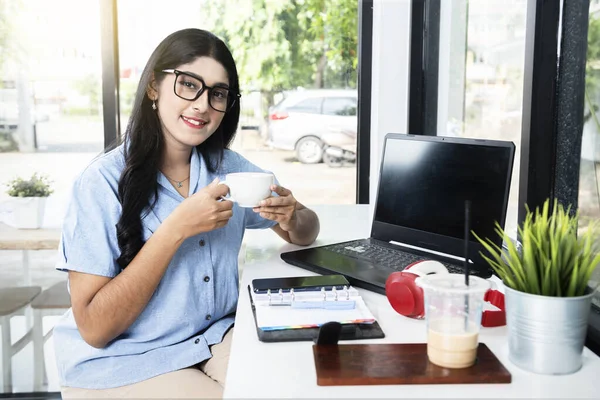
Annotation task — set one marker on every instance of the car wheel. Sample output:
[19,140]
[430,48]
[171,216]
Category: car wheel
[309,150]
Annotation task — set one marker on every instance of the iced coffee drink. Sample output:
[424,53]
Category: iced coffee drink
[450,346]
[453,318]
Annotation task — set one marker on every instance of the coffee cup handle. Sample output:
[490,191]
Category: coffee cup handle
[225,197]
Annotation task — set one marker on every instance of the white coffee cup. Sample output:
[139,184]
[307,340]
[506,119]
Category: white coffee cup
[247,189]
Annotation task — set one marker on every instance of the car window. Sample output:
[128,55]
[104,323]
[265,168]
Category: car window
[339,106]
[310,106]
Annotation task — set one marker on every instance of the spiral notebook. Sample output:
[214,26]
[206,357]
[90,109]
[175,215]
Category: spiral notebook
[287,315]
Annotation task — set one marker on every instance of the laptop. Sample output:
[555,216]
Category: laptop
[424,183]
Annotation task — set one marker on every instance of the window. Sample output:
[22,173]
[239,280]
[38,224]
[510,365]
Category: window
[283,49]
[481,68]
[589,169]
[50,123]
[309,106]
[339,106]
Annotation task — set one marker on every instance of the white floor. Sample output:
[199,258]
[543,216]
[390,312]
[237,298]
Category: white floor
[22,362]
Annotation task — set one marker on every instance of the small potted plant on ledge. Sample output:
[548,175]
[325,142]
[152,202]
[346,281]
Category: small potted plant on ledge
[547,289]
[28,200]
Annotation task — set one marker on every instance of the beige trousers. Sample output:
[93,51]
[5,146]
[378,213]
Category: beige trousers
[206,381]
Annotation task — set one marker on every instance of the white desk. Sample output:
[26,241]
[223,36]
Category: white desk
[286,370]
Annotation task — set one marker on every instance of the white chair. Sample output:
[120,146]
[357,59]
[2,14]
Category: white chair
[13,301]
[53,301]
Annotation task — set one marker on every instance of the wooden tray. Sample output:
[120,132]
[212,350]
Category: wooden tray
[399,364]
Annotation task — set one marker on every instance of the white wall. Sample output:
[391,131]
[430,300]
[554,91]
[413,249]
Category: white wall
[389,96]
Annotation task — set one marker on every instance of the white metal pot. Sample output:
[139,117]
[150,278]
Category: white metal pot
[546,334]
[28,212]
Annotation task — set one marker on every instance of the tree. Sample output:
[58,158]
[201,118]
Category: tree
[285,44]
[89,86]
[4,32]
[7,47]
[592,70]
[335,24]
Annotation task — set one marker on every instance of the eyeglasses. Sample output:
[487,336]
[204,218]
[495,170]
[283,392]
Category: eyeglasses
[190,87]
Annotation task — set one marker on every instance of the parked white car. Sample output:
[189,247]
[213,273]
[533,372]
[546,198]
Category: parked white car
[298,121]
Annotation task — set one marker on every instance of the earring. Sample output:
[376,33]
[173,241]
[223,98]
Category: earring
[153,105]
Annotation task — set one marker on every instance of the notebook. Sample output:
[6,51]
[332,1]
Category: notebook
[296,313]
[419,214]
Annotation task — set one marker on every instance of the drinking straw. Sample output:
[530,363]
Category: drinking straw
[467,229]
[466,260]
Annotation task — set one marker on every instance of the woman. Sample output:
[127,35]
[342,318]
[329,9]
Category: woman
[150,246]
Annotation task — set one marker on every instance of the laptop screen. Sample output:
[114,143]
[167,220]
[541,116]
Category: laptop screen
[425,181]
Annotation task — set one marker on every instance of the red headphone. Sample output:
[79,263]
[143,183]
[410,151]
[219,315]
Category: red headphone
[407,298]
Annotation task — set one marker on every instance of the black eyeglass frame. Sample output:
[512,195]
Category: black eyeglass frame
[235,96]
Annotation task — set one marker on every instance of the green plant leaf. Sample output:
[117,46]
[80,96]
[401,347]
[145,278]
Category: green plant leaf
[573,280]
[553,261]
[548,280]
[514,262]
[36,186]
[496,262]
[530,263]
[568,250]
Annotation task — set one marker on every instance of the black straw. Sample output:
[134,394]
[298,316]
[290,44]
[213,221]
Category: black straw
[466,261]
[467,231]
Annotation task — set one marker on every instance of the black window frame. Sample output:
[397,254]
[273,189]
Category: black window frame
[364,72]
[109,44]
[424,67]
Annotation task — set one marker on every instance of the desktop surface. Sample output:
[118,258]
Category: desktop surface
[284,370]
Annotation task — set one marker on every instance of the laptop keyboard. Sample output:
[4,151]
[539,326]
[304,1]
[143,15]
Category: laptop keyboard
[383,256]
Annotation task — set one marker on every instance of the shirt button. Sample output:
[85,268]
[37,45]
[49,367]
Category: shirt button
[208,317]
[206,278]
[201,243]
[197,341]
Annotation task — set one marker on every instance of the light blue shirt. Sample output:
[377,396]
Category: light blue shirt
[193,305]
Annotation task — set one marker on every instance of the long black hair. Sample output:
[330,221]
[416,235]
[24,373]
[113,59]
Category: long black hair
[144,141]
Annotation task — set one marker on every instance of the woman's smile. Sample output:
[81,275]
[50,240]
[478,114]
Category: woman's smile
[195,123]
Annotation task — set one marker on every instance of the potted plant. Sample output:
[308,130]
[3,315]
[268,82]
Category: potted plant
[547,290]
[28,200]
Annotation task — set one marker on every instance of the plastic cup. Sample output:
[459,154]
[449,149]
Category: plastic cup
[453,317]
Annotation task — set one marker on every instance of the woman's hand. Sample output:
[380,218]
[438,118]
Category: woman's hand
[281,209]
[203,211]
